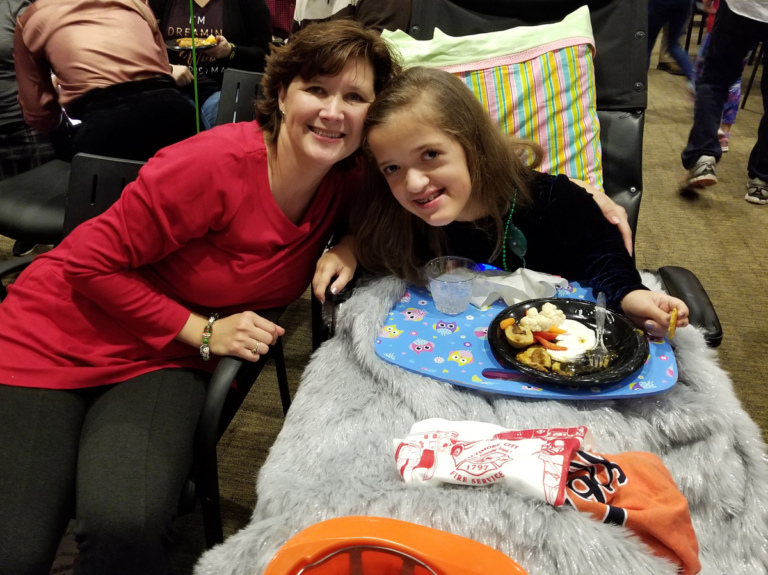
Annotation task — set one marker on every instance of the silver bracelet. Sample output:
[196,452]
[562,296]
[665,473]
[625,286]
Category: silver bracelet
[205,349]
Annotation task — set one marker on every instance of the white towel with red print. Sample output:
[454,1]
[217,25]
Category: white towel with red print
[530,461]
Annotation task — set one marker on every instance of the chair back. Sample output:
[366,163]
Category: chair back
[95,183]
[239,89]
[621,68]
[376,545]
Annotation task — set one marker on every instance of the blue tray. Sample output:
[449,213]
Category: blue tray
[455,349]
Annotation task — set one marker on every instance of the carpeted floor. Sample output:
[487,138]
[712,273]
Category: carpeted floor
[716,234]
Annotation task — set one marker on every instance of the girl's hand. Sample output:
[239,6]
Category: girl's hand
[246,335]
[612,211]
[652,310]
[339,261]
[221,50]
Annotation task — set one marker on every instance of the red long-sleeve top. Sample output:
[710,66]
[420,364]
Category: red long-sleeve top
[199,230]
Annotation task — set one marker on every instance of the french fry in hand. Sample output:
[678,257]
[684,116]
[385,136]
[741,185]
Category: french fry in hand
[672,323]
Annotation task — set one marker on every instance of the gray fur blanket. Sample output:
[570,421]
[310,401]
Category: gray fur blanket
[334,457]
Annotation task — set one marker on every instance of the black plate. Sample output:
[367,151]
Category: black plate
[171,45]
[621,337]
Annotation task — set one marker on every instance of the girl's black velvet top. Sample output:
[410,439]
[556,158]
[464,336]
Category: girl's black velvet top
[567,236]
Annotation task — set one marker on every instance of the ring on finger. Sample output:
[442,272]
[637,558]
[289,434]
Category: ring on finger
[255,350]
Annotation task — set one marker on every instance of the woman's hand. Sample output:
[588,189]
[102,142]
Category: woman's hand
[246,335]
[221,50]
[652,310]
[339,261]
[612,211]
[181,75]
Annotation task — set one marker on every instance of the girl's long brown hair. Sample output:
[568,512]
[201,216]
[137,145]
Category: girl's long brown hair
[391,240]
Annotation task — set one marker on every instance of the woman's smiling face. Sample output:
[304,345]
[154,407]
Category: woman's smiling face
[323,117]
[426,169]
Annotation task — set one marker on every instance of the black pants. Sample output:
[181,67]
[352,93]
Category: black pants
[132,120]
[731,39]
[114,457]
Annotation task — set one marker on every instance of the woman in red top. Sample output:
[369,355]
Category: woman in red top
[103,367]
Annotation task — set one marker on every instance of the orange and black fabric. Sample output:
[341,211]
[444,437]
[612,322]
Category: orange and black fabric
[635,490]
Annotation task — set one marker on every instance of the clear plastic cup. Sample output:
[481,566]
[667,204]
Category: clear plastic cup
[450,281]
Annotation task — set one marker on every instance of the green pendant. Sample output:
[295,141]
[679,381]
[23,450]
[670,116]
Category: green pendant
[516,241]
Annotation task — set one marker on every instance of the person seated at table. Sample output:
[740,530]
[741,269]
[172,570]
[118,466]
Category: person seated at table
[111,335]
[243,32]
[443,179]
[112,74]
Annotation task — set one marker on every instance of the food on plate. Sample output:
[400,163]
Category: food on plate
[505,323]
[550,342]
[536,357]
[576,341]
[672,323]
[549,316]
[518,336]
[187,42]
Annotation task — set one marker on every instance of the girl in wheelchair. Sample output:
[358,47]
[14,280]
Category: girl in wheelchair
[443,179]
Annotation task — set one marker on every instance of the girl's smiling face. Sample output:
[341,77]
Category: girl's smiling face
[323,121]
[426,169]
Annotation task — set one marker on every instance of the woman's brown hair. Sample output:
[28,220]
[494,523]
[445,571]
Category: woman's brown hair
[392,240]
[321,49]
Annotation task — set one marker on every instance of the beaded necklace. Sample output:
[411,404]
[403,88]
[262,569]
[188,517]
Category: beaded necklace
[513,237]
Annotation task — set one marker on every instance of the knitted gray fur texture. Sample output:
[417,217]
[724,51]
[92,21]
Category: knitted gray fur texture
[334,458]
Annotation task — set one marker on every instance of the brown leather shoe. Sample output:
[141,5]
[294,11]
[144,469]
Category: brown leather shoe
[670,67]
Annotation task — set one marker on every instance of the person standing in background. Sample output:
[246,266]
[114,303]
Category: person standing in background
[731,107]
[21,147]
[739,26]
[243,32]
[112,72]
[666,61]
[676,14]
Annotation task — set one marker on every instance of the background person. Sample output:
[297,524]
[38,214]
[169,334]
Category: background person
[666,62]
[242,29]
[731,107]
[112,71]
[21,147]
[739,25]
[103,381]
[676,14]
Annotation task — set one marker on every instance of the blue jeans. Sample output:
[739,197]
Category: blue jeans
[208,111]
[732,37]
[677,13]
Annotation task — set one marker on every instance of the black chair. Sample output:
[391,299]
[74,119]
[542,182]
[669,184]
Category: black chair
[95,183]
[239,89]
[32,205]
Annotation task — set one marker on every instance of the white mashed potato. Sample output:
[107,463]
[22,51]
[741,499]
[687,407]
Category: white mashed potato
[578,338]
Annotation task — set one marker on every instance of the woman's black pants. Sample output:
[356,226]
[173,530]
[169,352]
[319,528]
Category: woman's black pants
[115,458]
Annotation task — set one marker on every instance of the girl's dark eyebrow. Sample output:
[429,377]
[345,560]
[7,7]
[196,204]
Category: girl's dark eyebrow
[420,149]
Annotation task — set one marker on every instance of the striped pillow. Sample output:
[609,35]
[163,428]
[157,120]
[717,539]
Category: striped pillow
[537,83]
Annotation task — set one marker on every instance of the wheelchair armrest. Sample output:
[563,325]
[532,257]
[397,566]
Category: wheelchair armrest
[682,283]
[324,314]
[12,266]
